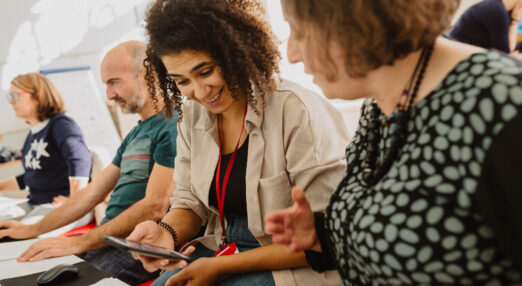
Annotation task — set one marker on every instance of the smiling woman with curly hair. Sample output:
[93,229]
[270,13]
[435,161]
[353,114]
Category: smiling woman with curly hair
[244,133]
[232,33]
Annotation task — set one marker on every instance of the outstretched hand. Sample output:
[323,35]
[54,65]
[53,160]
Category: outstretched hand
[294,226]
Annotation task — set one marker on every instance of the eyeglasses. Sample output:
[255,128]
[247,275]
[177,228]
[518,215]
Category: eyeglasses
[14,95]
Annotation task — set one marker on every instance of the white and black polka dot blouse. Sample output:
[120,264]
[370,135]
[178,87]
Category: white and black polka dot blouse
[448,209]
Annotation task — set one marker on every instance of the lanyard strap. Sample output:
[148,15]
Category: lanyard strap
[221,195]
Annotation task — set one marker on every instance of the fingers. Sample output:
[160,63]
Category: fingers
[137,234]
[293,247]
[274,223]
[5,228]
[46,253]
[6,223]
[175,265]
[30,252]
[150,264]
[189,250]
[283,238]
[4,233]
[179,277]
[299,197]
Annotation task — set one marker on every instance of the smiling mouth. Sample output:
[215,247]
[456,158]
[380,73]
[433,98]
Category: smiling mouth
[215,98]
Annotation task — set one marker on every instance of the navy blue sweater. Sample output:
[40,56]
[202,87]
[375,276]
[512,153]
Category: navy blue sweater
[485,24]
[53,152]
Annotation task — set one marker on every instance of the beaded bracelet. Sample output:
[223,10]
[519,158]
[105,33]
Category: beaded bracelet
[171,230]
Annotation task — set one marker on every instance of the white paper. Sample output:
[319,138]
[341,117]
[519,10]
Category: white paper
[9,208]
[11,268]
[11,201]
[110,282]
[10,212]
[11,250]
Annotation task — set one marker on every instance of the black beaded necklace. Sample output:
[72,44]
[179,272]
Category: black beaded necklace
[371,172]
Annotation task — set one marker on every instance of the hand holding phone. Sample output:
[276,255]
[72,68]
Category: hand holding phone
[145,249]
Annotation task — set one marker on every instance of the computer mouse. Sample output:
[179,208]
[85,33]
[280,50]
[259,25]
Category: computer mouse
[58,273]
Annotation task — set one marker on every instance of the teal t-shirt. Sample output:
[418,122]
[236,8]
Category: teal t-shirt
[151,141]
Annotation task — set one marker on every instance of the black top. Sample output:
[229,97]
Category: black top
[235,196]
[485,24]
[448,210]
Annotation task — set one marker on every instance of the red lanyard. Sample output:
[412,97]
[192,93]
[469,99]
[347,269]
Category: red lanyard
[221,195]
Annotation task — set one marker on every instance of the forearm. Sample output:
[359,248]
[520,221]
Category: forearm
[513,33]
[73,209]
[123,224]
[185,222]
[8,184]
[268,257]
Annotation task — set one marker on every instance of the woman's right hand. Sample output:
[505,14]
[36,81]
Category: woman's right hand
[151,233]
[294,226]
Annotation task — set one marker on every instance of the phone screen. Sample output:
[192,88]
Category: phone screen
[145,248]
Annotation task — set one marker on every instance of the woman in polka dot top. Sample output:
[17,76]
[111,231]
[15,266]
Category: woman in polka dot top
[433,188]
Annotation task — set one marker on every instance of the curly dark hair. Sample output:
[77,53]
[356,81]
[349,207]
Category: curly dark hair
[232,32]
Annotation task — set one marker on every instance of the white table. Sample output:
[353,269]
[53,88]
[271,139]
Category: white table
[10,268]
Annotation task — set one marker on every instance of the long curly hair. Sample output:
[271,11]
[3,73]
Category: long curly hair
[233,32]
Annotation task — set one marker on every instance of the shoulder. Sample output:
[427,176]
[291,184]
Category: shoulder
[484,91]
[290,97]
[61,118]
[301,108]
[167,129]
[488,6]
[164,124]
[195,114]
[154,127]
[485,11]
[63,124]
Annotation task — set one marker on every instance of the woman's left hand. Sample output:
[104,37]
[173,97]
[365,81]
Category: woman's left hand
[203,271]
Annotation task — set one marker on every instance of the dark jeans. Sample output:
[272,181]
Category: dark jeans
[237,231]
[119,264]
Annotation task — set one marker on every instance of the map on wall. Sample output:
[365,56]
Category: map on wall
[86,106]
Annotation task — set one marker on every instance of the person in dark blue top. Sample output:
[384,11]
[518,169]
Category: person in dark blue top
[54,156]
[490,24]
[139,179]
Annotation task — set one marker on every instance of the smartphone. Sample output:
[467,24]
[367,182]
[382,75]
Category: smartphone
[145,249]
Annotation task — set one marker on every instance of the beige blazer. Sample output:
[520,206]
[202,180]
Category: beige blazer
[297,139]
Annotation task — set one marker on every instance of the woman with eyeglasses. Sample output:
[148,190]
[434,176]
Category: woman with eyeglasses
[432,191]
[55,158]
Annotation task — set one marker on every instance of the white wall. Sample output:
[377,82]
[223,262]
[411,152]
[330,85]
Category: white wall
[47,34]
[44,34]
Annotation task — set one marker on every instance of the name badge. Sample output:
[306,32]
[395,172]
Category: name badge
[227,249]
